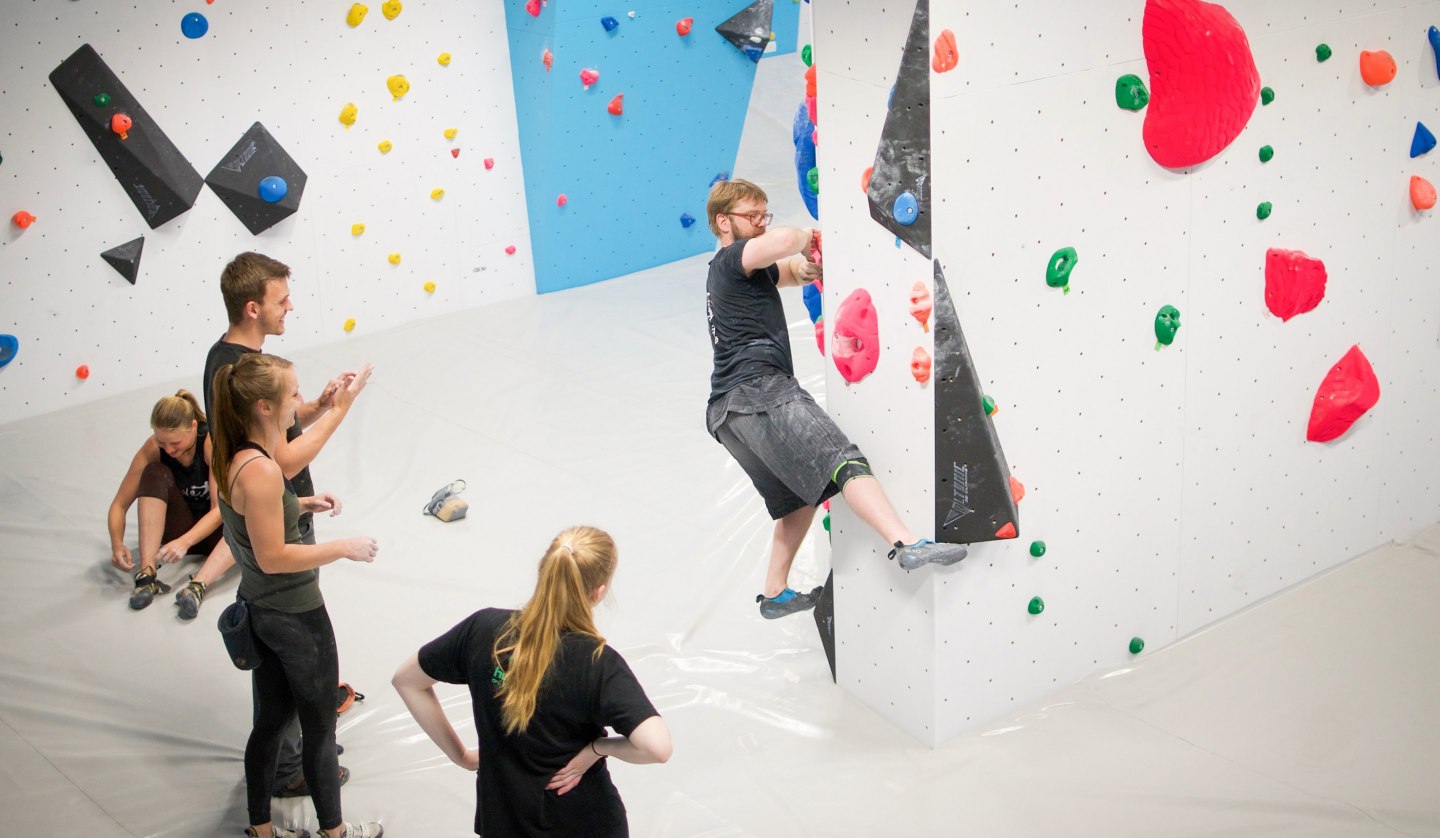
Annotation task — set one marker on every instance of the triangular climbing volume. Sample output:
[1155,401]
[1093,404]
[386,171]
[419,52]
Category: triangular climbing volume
[750,28]
[973,500]
[900,187]
[825,620]
[125,258]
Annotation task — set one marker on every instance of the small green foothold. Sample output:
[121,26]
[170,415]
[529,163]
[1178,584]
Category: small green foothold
[1057,273]
[812,178]
[1266,95]
[826,522]
[1322,52]
[102,99]
[1137,645]
[1037,548]
[807,55]
[989,405]
[1262,212]
[1266,152]
[1167,323]
[1130,92]
[1037,605]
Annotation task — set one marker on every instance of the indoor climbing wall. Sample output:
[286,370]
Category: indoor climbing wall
[1159,282]
[147,146]
[626,117]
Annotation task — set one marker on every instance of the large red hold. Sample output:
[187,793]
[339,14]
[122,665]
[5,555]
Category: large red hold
[1203,81]
[1349,389]
[855,348]
[1294,282]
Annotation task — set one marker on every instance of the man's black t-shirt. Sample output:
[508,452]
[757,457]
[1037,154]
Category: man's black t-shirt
[747,322]
[581,695]
[223,353]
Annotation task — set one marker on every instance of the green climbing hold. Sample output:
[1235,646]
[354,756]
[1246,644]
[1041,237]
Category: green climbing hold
[1130,92]
[826,522]
[1266,152]
[1057,273]
[1262,212]
[1322,52]
[989,405]
[812,178]
[1136,645]
[807,55]
[102,99]
[1037,548]
[1167,323]
[1037,605]
[1266,95]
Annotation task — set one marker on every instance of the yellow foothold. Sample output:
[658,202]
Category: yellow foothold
[450,133]
[398,85]
[350,325]
[394,258]
[385,146]
[391,9]
[357,14]
[347,114]
[437,194]
[429,288]
[357,229]
[444,59]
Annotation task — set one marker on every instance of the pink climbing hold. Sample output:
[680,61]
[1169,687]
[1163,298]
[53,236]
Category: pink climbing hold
[562,199]
[1422,193]
[920,364]
[510,250]
[1203,81]
[1349,389]
[589,77]
[1294,282]
[533,7]
[812,110]
[921,305]
[617,105]
[816,253]
[489,162]
[820,333]
[548,59]
[856,346]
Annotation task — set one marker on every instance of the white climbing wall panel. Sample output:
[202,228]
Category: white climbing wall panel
[1171,487]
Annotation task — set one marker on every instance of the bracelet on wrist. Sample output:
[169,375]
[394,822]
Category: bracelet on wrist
[596,750]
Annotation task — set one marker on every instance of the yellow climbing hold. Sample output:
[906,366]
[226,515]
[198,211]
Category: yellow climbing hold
[350,325]
[437,194]
[347,114]
[356,14]
[451,132]
[357,229]
[444,59]
[394,258]
[385,146]
[429,288]
[398,86]
[391,9]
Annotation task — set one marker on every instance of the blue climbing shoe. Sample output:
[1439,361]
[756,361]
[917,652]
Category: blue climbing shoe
[788,601]
[925,551]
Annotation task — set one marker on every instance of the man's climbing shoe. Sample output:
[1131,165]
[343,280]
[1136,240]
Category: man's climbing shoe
[925,551]
[189,599]
[146,587]
[788,601]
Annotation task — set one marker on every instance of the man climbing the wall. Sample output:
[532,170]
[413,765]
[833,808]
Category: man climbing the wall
[789,447]
[256,290]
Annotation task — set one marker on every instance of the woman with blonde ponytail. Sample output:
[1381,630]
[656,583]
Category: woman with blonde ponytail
[170,477]
[544,687]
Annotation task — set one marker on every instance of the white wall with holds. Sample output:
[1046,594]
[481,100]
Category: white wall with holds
[1171,487]
[292,66]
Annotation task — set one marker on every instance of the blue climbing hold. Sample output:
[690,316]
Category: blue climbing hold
[610,23]
[720,177]
[1435,45]
[811,295]
[9,347]
[194,25]
[906,209]
[273,188]
[687,220]
[802,130]
[1423,141]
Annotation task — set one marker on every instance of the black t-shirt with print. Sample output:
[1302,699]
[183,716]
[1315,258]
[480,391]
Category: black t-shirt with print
[582,695]
[747,322]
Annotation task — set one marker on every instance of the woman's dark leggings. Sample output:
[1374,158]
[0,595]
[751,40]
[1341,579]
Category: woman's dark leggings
[298,671]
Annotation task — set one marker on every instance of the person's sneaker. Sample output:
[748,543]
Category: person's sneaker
[146,587]
[299,788]
[788,601]
[361,830]
[925,551]
[279,832]
[189,599]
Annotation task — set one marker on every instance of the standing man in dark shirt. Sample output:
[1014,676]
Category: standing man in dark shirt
[256,289]
[791,449]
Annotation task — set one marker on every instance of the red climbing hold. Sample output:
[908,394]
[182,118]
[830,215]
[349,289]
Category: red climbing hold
[533,7]
[1422,193]
[489,162]
[589,77]
[1294,282]
[682,26]
[920,304]
[617,105]
[1349,389]
[120,124]
[82,372]
[920,364]
[856,349]
[1007,531]
[23,219]
[454,152]
[817,251]
[865,178]
[946,55]
[1017,489]
[1203,81]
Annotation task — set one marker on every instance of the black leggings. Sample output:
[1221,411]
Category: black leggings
[298,671]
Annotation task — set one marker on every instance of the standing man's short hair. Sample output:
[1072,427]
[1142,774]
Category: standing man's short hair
[726,194]
[243,281]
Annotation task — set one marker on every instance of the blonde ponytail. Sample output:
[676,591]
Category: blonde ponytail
[176,412]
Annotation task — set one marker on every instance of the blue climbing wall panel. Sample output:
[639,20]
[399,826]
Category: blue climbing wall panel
[629,178]
[787,27]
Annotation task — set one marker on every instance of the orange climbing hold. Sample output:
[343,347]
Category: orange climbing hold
[617,105]
[23,219]
[82,372]
[548,59]
[1377,68]
[946,55]
[1017,489]
[810,82]
[920,364]
[1422,193]
[121,124]
[865,178]
[682,26]
[1007,531]
[921,305]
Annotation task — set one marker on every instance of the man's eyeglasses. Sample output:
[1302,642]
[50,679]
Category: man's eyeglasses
[758,219]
